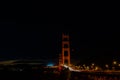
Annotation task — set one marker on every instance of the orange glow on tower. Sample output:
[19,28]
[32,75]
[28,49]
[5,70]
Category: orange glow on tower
[65,56]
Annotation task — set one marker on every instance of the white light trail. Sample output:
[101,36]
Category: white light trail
[71,69]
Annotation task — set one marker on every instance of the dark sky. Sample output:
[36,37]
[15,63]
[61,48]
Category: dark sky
[7,38]
[43,41]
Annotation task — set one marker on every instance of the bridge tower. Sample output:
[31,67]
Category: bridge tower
[64,57]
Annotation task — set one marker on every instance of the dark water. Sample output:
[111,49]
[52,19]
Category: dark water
[94,76]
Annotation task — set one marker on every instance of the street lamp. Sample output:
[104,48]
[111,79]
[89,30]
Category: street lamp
[93,64]
[87,67]
[114,63]
[96,68]
[119,65]
[107,66]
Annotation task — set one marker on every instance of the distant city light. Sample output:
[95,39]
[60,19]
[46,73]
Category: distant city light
[84,65]
[106,65]
[93,64]
[87,67]
[96,68]
[50,64]
[118,64]
[114,62]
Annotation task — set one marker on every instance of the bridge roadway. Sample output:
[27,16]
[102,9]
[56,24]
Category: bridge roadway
[92,74]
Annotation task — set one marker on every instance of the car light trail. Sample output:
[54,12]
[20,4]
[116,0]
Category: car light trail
[71,69]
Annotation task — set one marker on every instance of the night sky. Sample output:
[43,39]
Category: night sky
[43,41]
[7,38]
